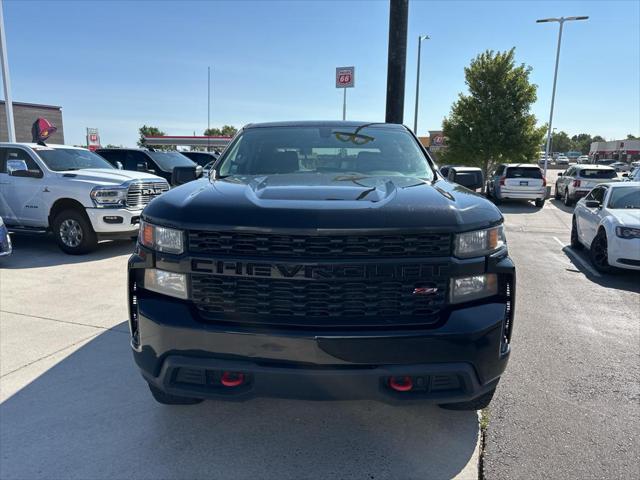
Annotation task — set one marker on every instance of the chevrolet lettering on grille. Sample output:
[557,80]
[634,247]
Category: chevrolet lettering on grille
[316,271]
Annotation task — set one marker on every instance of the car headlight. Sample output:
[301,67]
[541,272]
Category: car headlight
[162,239]
[105,197]
[167,283]
[479,242]
[628,232]
[465,289]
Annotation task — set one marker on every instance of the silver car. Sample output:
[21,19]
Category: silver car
[578,180]
[517,181]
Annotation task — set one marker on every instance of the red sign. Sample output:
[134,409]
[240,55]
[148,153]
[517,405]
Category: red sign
[345,77]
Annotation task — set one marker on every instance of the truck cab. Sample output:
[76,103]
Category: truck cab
[72,193]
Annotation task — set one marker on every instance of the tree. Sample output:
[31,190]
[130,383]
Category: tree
[632,137]
[149,131]
[581,143]
[494,122]
[225,131]
[560,142]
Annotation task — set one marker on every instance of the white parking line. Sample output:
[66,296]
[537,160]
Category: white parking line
[577,259]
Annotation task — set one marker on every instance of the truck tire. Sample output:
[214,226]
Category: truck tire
[167,399]
[74,232]
[478,403]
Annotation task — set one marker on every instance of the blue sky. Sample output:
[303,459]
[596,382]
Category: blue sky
[116,65]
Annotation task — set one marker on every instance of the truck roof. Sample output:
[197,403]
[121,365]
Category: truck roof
[326,123]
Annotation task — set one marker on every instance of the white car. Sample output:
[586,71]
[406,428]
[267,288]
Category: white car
[607,222]
[583,159]
[578,180]
[562,160]
[621,166]
[517,181]
[73,193]
[632,176]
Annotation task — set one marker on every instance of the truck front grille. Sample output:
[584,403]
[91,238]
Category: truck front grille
[333,303]
[319,246]
[139,194]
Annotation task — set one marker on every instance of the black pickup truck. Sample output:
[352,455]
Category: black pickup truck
[325,260]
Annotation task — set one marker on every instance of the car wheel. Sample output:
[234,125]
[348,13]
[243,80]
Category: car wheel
[168,399]
[599,252]
[540,202]
[74,232]
[479,403]
[575,241]
[566,199]
[557,194]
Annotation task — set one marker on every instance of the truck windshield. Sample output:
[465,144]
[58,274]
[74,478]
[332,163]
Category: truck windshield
[598,173]
[168,160]
[366,150]
[63,159]
[625,197]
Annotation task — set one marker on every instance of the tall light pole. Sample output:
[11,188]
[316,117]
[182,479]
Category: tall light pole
[561,21]
[8,104]
[415,117]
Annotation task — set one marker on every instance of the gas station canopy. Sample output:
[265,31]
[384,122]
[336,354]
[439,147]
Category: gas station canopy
[202,141]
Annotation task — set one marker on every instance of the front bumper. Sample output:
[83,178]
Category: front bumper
[459,359]
[114,220]
[624,253]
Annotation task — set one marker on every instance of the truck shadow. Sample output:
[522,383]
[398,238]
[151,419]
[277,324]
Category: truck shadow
[91,416]
[34,251]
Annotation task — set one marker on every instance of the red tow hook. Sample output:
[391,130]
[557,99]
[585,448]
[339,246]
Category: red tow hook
[401,384]
[232,379]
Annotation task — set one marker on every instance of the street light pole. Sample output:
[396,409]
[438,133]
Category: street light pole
[561,21]
[415,117]
[8,103]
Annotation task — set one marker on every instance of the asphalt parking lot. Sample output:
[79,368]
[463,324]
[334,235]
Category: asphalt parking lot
[74,405]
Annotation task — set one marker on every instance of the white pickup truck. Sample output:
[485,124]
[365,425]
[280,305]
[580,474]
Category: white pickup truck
[73,193]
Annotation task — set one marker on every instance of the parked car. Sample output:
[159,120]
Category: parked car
[578,180]
[632,176]
[322,260]
[73,193]
[582,159]
[201,158]
[174,167]
[469,177]
[5,240]
[562,160]
[605,161]
[517,181]
[621,166]
[607,222]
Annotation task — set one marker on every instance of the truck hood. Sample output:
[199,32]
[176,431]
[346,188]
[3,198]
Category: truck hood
[106,176]
[322,201]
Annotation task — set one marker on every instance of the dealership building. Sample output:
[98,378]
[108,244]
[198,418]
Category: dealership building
[24,114]
[621,150]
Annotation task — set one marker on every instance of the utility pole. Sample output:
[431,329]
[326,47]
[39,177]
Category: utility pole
[208,106]
[561,21]
[415,117]
[397,60]
[8,102]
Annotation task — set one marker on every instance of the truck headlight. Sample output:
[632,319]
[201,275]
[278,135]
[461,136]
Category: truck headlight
[628,232]
[479,242]
[167,283]
[162,239]
[106,197]
[465,289]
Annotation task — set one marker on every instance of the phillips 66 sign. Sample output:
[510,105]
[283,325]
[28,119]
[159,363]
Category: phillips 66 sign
[345,77]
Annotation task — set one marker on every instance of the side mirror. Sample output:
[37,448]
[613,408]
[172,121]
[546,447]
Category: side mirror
[560,174]
[182,175]
[119,165]
[592,204]
[213,174]
[625,175]
[16,166]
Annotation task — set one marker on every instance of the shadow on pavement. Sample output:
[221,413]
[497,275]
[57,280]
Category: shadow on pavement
[91,416]
[33,251]
[561,206]
[620,279]
[515,206]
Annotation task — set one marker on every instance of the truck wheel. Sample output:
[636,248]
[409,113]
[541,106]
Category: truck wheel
[167,399]
[74,232]
[575,241]
[479,403]
[540,202]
